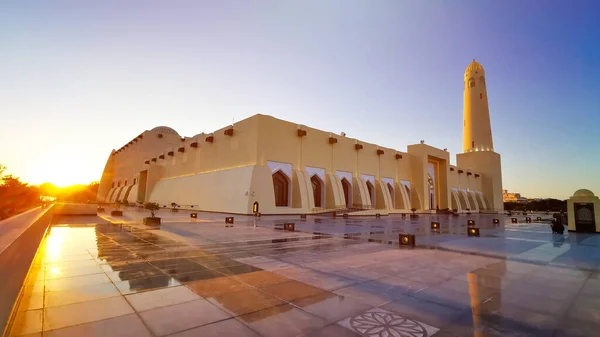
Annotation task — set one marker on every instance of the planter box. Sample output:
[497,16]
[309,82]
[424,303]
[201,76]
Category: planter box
[116,213]
[149,221]
[174,210]
[414,216]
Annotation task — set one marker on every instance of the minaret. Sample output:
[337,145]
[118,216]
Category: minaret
[478,149]
[477,132]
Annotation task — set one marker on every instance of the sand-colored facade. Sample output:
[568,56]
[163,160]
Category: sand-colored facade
[230,169]
[294,169]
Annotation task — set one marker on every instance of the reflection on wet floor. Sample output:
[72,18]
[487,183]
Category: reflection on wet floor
[92,280]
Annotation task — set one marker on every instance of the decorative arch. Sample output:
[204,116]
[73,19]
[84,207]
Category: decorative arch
[408,195]
[281,189]
[390,188]
[463,201]
[371,190]
[347,187]
[318,190]
[477,197]
[472,201]
[454,201]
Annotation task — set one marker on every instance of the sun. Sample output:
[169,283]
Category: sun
[61,172]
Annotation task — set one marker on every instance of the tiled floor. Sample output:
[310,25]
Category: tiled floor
[198,278]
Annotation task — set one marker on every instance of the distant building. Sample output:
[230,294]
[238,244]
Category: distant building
[513,197]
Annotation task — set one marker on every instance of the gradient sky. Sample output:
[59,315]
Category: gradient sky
[79,78]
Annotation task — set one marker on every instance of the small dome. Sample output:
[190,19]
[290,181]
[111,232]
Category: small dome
[474,67]
[165,130]
[583,193]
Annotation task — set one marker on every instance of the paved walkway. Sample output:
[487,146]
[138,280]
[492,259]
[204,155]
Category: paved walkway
[13,227]
[198,278]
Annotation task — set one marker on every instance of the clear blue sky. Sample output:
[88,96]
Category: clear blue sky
[78,79]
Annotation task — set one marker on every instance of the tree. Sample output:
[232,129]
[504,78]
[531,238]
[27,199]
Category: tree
[15,195]
[152,207]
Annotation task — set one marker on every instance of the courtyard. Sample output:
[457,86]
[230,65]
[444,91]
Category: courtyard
[112,276]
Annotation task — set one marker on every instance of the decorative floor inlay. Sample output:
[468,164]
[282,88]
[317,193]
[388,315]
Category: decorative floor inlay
[382,323]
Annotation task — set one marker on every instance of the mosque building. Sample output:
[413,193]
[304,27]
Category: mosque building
[294,169]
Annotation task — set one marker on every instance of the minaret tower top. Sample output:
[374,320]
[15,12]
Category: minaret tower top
[477,131]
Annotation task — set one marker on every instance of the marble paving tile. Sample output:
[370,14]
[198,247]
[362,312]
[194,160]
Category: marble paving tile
[586,309]
[386,323]
[58,273]
[217,286]
[333,330]
[283,320]
[292,290]
[27,322]
[576,328]
[144,284]
[67,283]
[122,326]
[197,276]
[175,318]
[423,311]
[261,278]
[323,280]
[85,312]
[228,327]
[80,294]
[159,298]
[245,301]
[331,307]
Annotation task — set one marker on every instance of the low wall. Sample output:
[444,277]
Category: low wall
[15,262]
[75,209]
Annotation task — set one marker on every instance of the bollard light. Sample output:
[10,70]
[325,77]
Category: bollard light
[407,240]
[473,231]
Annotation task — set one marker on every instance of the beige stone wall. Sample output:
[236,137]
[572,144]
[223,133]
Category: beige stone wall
[488,165]
[233,171]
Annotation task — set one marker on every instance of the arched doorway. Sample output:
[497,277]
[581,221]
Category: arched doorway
[371,190]
[281,188]
[432,202]
[392,195]
[317,186]
[347,192]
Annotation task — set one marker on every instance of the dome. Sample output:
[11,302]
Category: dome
[165,130]
[583,193]
[474,67]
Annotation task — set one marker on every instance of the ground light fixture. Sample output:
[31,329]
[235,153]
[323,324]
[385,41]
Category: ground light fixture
[407,240]
[473,231]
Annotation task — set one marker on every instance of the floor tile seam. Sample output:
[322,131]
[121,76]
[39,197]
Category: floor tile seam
[118,293]
[199,326]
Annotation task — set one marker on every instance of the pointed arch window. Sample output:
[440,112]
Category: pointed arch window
[317,186]
[281,188]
